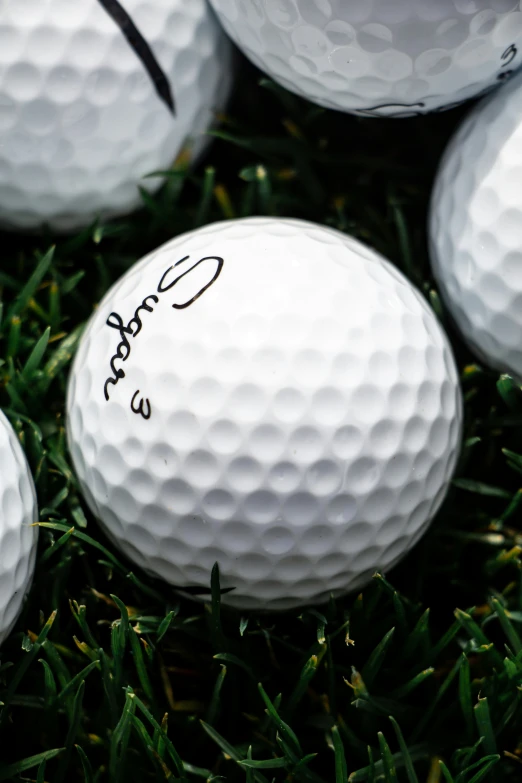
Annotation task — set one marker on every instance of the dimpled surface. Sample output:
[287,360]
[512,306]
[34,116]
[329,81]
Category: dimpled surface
[390,57]
[80,121]
[304,412]
[475,229]
[17,538]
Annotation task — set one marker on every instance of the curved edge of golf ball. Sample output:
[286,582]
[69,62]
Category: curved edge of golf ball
[303,432]
[18,538]
[474,229]
[389,59]
[96,96]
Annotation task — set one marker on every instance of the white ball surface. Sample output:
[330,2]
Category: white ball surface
[81,120]
[304,412]
[379,57]
[475,229]
[18,538]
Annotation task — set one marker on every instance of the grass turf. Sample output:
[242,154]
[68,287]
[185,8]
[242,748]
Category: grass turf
[109,676]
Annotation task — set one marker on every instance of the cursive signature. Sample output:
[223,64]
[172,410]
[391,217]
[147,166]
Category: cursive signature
[130,330]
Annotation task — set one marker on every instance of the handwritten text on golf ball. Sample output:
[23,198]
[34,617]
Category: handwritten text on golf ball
[128,332]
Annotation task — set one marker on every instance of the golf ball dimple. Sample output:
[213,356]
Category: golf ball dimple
[18,512]
[97,94]
[270,395]
[475,237]
[394,58]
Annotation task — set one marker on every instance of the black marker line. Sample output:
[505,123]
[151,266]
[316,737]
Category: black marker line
[142,49]
[399,109]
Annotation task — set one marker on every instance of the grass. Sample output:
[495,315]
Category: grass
[110,676]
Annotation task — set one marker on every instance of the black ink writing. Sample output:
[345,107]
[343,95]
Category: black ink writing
[123,350]
[507,58]
[416,109]
[143,51]
[143,409]
[162,287]
[393,110]
[128,332]
[509,55]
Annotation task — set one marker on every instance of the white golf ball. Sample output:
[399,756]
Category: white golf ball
[475,229]
[379,57]
[18,538]
[97,94]
[270,395]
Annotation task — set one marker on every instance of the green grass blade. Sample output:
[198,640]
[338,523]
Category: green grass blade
[178,763]
[410,686]
[306,676]
[74,727]
[278,763]
[419,637]
[120,739]
[507,626]
[425,720]
[408,763]
[165,624]
[480,488]
[49,684]
[10,771]
[35,358]
[214,706]
[484,726]
[88,773]
[16,679]
[40,777]
[286,733]
[477,634]
[139,663]
[376,659]
[390,773]
[447,774]
[29,289]
[481,774]
[341,768]
[76,680]
[215,606]
[229,749]
[466,702]
[235,661]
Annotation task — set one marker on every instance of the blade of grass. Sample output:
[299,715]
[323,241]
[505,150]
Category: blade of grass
[214,706]
[507,626]
[408,763]
[28,291]
[24,666]
[341,768]
[376,659]
[484,726]
[88,774]
[10,771]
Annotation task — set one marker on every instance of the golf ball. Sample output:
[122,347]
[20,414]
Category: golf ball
[475,237]
[18,538]
[97,94]
[270,395]
[379,57]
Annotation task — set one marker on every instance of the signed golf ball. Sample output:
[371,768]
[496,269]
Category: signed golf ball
[18,538]
[97,94]
[475,236]
[270,395]
[379,57]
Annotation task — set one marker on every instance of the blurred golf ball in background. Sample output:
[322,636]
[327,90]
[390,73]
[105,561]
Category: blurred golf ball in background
[97,94]
[379,57]
[476,229]
[18,511]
